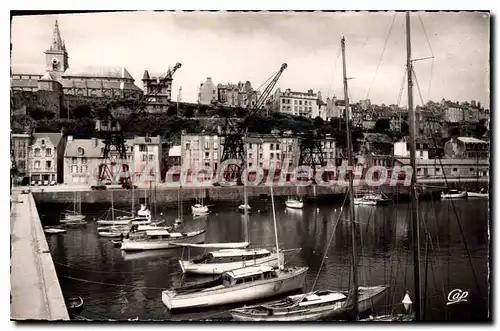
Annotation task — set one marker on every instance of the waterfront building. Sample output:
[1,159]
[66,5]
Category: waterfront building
[82,158]
[402,148]
[466,147]
[207,94]
[296,103]
[147,156]
[329,151]
[45,157]
[20,147]
[108,82]
[427,122]
[451,168]
[200,150]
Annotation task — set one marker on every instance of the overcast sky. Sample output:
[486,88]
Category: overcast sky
[230,47]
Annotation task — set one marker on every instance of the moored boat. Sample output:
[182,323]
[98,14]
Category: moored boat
[74,305]
[160,239]
[54,230]
[240,285]
[454,194]
[482,193]
[294,203]
[199,209]
[312,306]
[223,260]
[244,207]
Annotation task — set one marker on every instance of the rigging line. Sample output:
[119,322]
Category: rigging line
[418,86]
[381,55]
[111,284]
[329,243]
[401,88]
[425,33]
[333,74]
[459,224]
[105,272]
[433,206]
[430,80]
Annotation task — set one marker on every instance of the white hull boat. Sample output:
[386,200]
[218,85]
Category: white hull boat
[199,209]
[295,204]
[75,224]
[313,306]
[54,231]
[220,261]
[72,218]
[241,285]
[364,202]
[162,239]
[454,194]
[481,194]
[242,208]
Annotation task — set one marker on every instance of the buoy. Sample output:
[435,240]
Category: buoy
[407,301]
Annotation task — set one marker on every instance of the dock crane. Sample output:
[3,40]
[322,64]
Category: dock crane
[109,129]
[233,145]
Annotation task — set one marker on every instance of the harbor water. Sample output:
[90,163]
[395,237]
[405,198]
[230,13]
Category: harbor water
[454,255]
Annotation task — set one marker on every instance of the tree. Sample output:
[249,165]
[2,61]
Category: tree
[405,129]
[172,110]
[40,113]
[382,125]
[188,112]
[479,130]
[82,111]
[318,122]
[240,112]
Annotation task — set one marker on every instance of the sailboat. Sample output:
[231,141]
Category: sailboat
[479,192]
[74,217]
[143,216]
[114,230]
[322,304]
[199,209]
[232,255]
[239,285]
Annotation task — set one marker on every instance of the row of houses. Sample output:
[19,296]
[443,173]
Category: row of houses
[50,158]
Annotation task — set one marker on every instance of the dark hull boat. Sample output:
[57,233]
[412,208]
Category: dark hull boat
[74,305]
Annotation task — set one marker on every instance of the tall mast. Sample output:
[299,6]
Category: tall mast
[413,192]
[280,265]
[351,188]
[245,188]
[133,197]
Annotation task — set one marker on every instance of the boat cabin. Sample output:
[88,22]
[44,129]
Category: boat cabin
[247,275]
[232,255]
[162,235]
[318,298]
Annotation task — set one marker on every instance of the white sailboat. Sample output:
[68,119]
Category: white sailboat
[294,203]
[322,304]
[161,239]
[74,217]
[231,255]
[239,285]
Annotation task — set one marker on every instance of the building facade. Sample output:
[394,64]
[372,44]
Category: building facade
[451,168]
[45,157]
[157,91]
[199,151]
[20,146]
[146,157]
[466,148]
[207,94]
[237,95]
[82,158]
[296,103]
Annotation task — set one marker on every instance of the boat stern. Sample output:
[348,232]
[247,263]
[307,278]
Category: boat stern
[167,298]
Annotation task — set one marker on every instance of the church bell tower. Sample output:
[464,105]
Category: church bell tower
[56,57]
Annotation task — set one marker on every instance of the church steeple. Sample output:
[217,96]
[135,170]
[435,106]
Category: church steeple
[56,57]
[57,43]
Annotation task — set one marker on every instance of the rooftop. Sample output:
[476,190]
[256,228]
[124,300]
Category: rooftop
[98,72]
[471,140]
[91,148]
[54,138]
[175,151]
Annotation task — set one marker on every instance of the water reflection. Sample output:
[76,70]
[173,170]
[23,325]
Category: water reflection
[128,285]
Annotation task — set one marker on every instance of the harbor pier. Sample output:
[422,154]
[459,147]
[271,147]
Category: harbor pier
[35,290]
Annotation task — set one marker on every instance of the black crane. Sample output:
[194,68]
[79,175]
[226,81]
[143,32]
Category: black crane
[233,146]
[115,151]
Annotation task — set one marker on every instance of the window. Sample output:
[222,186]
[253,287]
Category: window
[300,102]
[207,145]
[260,156]
[260,164]
[272,147]
[271,156]
[215,155]
[207,155]
[250,145]
[215,145]
[471,169]
[249,164]
[37,151]
[277,146]
[48,164]
[48,152]
[438,170]
[277,155]
[143,148]
[250,155]
[74,169]
[419,170]
[151,157]
[37,164]
[188,146]
[22,164]
[144,157]
[43,141]
[74,160]
[295,101]
[84,160]
[455,169]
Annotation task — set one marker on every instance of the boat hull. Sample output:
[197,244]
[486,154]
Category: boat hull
[294,204]
[147,244]
[218,268]
[287,281]
[318,313]
[460,195]
[72,218]
[477,195]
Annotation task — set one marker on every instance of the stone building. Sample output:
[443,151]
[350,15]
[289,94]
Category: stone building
[237,95]
[82,158]
[296,103]
[20,148]
[207,94]
[157,91]
[200,150]
[57,75]
[45,155]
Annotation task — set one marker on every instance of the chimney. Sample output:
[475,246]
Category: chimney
[309,91]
